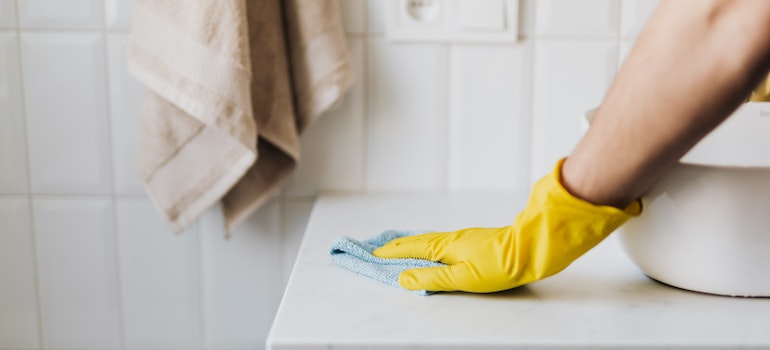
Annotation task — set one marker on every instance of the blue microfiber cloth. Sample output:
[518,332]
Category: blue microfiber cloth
[357,256]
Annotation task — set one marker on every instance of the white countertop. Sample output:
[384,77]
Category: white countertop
[601,300]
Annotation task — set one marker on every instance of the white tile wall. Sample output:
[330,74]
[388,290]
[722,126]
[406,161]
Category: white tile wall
[7,13]
[18,293]
[571,78]
[125,105]
[159,282]
[625,49]
[56,14]
[406,127]
[489,130]
[297,213]
[335,164]
[92,265]
[77,273]
[13,152]
[118,13]
[66,104]
[375,16]
[239,278]
[577,18]
[635,15]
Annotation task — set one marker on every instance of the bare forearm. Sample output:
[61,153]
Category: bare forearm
[695,62]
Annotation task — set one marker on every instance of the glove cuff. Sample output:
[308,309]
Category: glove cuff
[574,213]
[556,227]
[561,194]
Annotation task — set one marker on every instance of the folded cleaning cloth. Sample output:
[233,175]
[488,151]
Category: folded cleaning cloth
[230,85]
[357,256]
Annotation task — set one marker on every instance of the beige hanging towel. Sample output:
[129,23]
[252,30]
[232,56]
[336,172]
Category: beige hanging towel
[230,85]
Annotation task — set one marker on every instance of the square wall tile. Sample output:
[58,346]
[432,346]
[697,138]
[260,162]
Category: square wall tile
[13,150]
[332,148]
[241,278]
[634,15]
[571,77]
[66,104]
[405,126]
[8,14]
[577,18]
[489,124]
[56,14]
[375,16]
[625,48]
[354,15]
[126,95]
[159,279]
[296,215]
[18,295]
[75,245]
[118,13]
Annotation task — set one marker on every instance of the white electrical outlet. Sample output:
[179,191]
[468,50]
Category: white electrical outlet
[490,21]
[422,11]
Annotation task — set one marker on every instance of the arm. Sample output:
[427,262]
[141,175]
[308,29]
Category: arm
[695,62]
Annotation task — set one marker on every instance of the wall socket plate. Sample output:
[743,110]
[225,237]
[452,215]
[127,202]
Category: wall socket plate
[468,21]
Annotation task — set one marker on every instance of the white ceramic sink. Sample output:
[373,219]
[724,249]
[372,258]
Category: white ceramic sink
[706,224]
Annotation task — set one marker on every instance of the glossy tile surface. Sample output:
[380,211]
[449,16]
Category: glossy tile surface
[489,117]
[79,297]
[246,268]
[126,95]
[13,151]
[375,16]
[406,99]
[577,18]
[160,284]
[297,212]
[8,14]
[18,293]
[70,14]
[572,78]
[66,104]
[333,146]
[118,13]
[635,14]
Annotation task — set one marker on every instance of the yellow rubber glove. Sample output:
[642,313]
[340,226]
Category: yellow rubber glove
[762,92]
[552,231]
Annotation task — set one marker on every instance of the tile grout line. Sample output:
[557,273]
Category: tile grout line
[30,204]
[452,117]
[365,85]
[112,195]
[447,79]
[532,101]
[529,46]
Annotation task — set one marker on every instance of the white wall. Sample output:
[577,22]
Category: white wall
[86,262]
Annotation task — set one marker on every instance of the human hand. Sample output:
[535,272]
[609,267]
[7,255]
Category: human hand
[553,230]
